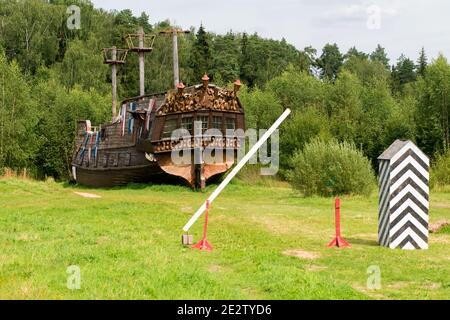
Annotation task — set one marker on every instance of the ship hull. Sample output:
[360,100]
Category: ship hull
[118,176]
[151,173]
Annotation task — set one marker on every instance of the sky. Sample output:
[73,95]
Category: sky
[401,26]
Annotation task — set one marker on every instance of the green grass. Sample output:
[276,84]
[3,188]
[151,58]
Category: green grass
[128,246]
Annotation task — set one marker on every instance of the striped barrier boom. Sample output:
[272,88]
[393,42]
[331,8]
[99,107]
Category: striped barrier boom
[403,197]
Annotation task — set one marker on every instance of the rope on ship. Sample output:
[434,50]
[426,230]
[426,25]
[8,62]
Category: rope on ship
[97,142]
[85,144]
[131,119]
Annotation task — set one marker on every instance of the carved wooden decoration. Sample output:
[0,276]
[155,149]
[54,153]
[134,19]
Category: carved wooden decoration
[211,98]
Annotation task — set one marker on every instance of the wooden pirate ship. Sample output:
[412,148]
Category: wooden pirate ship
[136,146]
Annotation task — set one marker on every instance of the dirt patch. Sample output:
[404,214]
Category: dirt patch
[437,226]
[441,205]
[214,268]
[371,293]
[314,268]
[102,240]
[25,290]
[252,293]
[398,285]
[432,286]
[301,254]
[440,239]
[87,195]
[27,237]
[156,232]
[187,209]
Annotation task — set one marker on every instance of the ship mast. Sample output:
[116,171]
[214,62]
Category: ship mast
[174,32]
[114,81]
[141,35]
[141,43]
[113,57]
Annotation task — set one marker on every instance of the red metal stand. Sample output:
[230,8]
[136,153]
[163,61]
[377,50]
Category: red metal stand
[203,244]
[338,241]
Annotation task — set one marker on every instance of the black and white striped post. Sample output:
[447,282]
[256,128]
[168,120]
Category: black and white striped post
[403,197]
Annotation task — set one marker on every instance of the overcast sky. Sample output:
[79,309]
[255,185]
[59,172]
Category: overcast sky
[401,26]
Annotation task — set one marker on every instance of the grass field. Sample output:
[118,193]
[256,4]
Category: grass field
[127,245]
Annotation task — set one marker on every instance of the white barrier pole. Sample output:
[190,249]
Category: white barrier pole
[236,169]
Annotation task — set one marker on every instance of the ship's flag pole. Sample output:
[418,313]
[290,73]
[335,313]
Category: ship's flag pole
[236,169]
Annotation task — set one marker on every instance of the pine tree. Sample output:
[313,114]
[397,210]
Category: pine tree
[353,52]
[245,63]
[226,64]
[143,21]
[201,53]
[403,72]
[330,61]
[380,55]
[422,63]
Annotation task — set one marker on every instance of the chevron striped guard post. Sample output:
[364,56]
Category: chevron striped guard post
[403,197]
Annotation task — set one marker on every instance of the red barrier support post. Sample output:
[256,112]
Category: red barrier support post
[203,244]
[338,241]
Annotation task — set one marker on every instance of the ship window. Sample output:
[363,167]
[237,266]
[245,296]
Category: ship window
[231,123]
[169,126]
[186,123]
[217,122]
[204,120]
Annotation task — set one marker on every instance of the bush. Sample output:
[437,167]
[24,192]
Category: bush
[331,168]
[440,171]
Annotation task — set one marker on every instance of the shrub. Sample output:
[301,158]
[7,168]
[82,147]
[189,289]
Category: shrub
[440,171]
[331,168]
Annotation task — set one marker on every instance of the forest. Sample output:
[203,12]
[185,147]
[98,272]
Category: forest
[51,76]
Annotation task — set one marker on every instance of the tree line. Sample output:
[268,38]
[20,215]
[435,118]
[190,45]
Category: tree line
[51,76]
